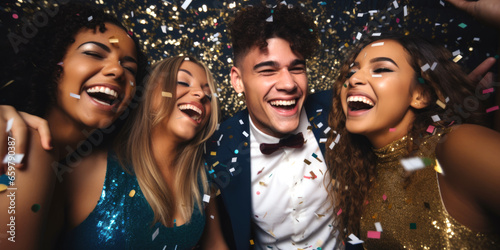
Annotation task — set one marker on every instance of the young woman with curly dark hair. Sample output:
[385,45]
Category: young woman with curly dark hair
[399,97]
[83,69]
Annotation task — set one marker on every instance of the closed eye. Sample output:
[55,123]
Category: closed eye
[131,70]
[183,83]
[350,74]
[297,70]
[267,72]
[382,70]
[93,54]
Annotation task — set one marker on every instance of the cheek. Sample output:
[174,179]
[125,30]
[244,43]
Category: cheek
[343,97]
[302,83]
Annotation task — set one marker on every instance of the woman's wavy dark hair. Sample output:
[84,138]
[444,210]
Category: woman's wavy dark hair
[352,162]
[37,66]
[250,27]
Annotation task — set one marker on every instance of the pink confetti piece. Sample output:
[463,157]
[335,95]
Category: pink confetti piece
[492,109]
[339,212]
[373,235]
[392,129]
[15,16]
[485,91]
[430,129]
[384,197]
[258,192]
[307,177]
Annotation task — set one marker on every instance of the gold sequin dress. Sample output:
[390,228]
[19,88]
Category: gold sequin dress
[410,211]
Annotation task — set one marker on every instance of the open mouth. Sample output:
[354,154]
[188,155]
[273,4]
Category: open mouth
[357,103]
[103,95]
[192,111]
[284,104]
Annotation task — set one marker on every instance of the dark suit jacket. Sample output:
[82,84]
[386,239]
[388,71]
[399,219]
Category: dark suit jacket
[228,161]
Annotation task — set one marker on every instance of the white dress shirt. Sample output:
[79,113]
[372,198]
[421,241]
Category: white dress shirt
[290,204]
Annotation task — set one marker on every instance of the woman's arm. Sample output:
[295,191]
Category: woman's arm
[24,205]
[212,237]
[470,158]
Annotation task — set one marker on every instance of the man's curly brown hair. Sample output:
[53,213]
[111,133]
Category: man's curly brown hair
[250,28]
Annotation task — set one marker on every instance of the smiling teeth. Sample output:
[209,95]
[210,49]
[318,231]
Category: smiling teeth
[105,90]
[283,102]
[362,99]
[191,107]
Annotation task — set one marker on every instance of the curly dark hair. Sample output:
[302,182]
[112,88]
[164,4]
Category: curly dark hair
[37,67]
[251,28]
[352,161]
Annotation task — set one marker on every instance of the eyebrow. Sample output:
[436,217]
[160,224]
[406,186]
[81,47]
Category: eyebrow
[187,72]
[275,64]
[107,49]
[383,59]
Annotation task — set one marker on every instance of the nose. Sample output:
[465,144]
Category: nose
[113,69]
[197,92]
[286,81]
[358,78]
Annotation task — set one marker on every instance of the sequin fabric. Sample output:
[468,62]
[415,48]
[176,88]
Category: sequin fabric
[410,210]
[122,219]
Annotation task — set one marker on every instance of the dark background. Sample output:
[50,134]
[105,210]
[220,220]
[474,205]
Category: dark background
[200,30]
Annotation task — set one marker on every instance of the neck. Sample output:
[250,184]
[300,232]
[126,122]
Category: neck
[384,137]
[66,133]
[165,150]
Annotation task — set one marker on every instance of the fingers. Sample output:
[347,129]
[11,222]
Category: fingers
[466,6]
[13,138]
[487,81]
[42,126]
[477,74]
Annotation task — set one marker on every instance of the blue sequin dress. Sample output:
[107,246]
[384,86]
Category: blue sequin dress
[120,221]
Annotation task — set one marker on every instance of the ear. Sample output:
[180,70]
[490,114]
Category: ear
[420,97]
[236,80]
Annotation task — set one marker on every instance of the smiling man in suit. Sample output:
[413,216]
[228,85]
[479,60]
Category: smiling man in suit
[268,159]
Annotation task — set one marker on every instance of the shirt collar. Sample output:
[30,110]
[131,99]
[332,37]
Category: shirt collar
[261,137]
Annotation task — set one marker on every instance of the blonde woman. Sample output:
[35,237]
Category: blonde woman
[153,192]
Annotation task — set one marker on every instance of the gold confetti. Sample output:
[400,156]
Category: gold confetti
[213,153]
[215,164]
[3,187]
[251,242]
[132,193]
[457,58]
[166,94]
[262,183]
[313,175]
[113,40]
[7,84]
[271,232]
[441,104]
[438,168]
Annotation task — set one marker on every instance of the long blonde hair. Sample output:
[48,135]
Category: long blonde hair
[136,155]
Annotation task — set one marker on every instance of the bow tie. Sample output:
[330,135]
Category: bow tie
[293,141]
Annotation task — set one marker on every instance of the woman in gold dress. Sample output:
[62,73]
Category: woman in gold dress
[400,106]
